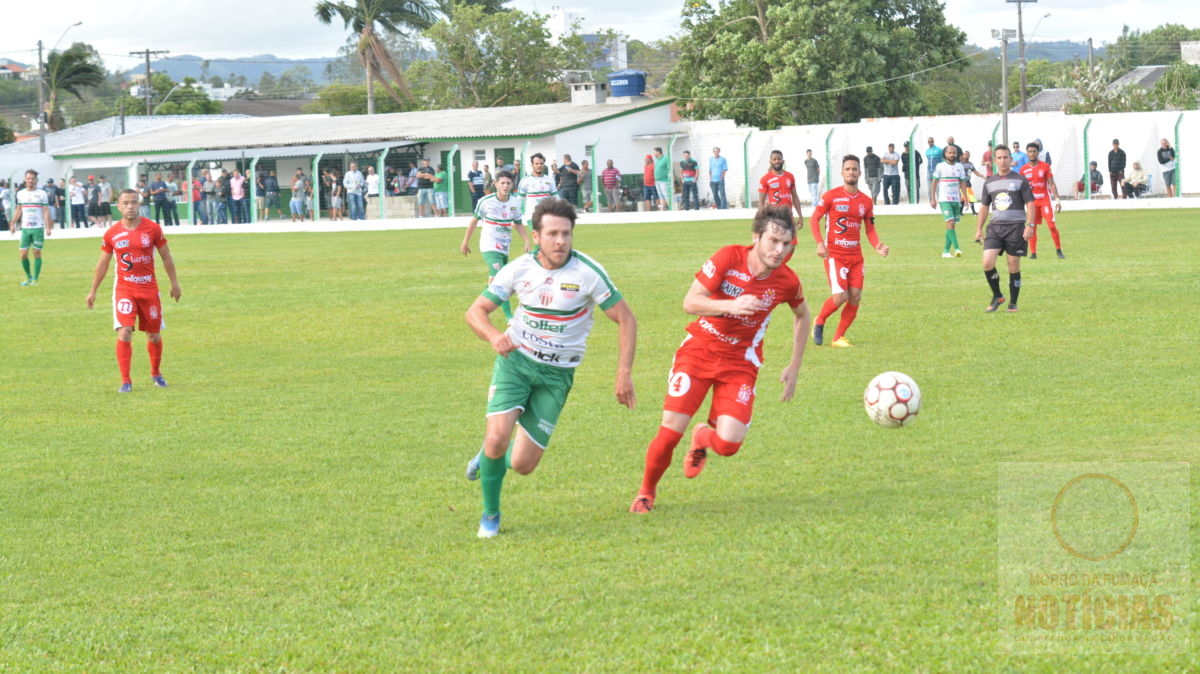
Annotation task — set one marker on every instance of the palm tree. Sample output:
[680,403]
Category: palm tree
[393,16]
[71,71]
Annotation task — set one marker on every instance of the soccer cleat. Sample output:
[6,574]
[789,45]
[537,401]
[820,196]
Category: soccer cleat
[694,461]
[159,381]
[818,334]
[1012,308]
[995,304]
[473,467]
[27,282]
[1033,256]
[642,504]
[489,526]
[125,388]
[842,342]
[957,252]
[1060,254]
[947,254]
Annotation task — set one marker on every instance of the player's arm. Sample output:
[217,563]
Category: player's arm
[796,205]
[101,271]
[481,325]
[700,302]
[873,236]
[466,242]
[520,230]
[49,222]
[983,214]
[933,190]
[622,315]
[169,266]
[16,221]
[801,326]
[1052,187]
[814,226]
[1030,228]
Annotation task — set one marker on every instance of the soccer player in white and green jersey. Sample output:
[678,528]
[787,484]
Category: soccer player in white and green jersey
[558,289]
[33,216]
[500,213]
[947,191]
[537,186]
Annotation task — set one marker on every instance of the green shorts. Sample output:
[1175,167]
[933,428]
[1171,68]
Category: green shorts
[538,390]
[494,261]
[33,236]
[951,210]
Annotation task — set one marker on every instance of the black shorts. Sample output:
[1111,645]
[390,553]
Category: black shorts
[95,210]
[1007,239]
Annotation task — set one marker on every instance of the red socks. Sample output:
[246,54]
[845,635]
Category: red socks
[848,313]
[828,308]
[1054,235]
[155,351]
[658,458]
[707,437]
[124,356]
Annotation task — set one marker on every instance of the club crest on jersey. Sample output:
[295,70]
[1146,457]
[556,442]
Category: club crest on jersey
[154,312]
[768,298]
[862,210]
[709,268]
[569,290]
[145,240]
[745,394]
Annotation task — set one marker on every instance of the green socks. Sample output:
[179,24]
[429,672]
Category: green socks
[37,268]
[491,479]
[953,239]
[25,266]
[946,242]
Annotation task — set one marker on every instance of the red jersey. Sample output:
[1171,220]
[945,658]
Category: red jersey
[849,214]
[777,188]
[1037,177]
[727,276]
[134,249]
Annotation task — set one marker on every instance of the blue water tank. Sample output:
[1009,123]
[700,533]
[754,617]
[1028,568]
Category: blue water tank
[627,83]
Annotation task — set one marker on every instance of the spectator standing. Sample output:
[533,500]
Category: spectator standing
[873,168]
[1019,158]
[78,204]
[489,183]
[933,157]
[987,161]
[717,168]
[649,191]
[354,183]
[475,180]
[1166,163]
[144,197]
[260,192]
[173,192]
[410,185]
[105,202]
[93,201]
[891,175]
[199,205]
[1042,153]
[611,178]
[210,195]
[272,185]
[662,174]
[372,180]
[336,199]
[237,195]
[568,181]
[1116,167]
[441,191]
[813,170]
[585,184]
[425,188]
[911,183]
[51,191]
[158,192]
[6,200]
[689,171]
[225,196]
[296,205]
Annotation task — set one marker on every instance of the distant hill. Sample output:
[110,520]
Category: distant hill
[250,67]
[1063,50]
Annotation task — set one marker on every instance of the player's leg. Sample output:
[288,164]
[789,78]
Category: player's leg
[1014,279]
[850,311]
[836,273]
[991,250]
[956,213]
[1048,216]
[732,409]
[686,391]
[1038,214]
[492,467]
[125,356]
[948,217]
[495,261]
[26,242]
[550,387]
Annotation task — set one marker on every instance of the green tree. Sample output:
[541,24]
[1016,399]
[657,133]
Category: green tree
[1178,88]
[266,84]
[656,59]
[1156,47]
[71,71]
[349,99]
[486,60]
[393,16]
[749,59]
[6,133]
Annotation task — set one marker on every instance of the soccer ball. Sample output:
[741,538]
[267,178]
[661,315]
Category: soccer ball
[892,400]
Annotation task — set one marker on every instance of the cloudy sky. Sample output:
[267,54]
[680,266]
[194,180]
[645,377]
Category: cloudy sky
[232,28]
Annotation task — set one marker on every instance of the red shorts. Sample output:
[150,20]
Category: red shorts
[843,274]
[146,310]
[1043,211]
[696,369]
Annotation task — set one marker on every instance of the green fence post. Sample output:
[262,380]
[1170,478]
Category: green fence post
[1087,164]
[595,173]
[1178,175]
[379,168]
[452,175]
[746,169]
[253,182]
[316,196]
[914,180]
[671,175]
[828,159]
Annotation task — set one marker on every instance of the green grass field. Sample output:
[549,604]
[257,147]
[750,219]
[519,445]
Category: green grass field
[295,500]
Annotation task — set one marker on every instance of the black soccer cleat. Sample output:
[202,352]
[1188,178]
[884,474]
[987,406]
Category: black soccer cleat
[1060,254]
[995,304]
[1033,256]
[818,334]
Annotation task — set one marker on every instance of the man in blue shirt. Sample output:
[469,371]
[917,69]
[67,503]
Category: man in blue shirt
[933,157]
[717,168]
[1019,158]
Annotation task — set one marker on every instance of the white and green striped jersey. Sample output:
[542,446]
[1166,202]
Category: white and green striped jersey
[31,203]
[556,306]
[950,178]
[496,219]
[533,189]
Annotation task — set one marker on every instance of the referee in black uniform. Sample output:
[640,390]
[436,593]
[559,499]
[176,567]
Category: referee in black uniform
[1008,196]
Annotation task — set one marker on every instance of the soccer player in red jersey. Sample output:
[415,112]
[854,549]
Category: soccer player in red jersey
[850,211]
[1041,179]
[733,295]
[778,187]
[135,289]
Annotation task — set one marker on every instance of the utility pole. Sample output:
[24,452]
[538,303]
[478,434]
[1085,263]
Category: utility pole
[146,86]
[41,101]
[1090,65]
[1003,34]
[1021,49]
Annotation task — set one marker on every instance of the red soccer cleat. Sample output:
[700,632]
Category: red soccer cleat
[693,463]
[642,504]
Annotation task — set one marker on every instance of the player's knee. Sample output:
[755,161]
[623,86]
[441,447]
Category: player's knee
[154,337]
[524,466]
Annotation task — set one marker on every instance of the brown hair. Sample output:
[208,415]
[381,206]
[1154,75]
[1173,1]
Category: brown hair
[780,216]
[553,206]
